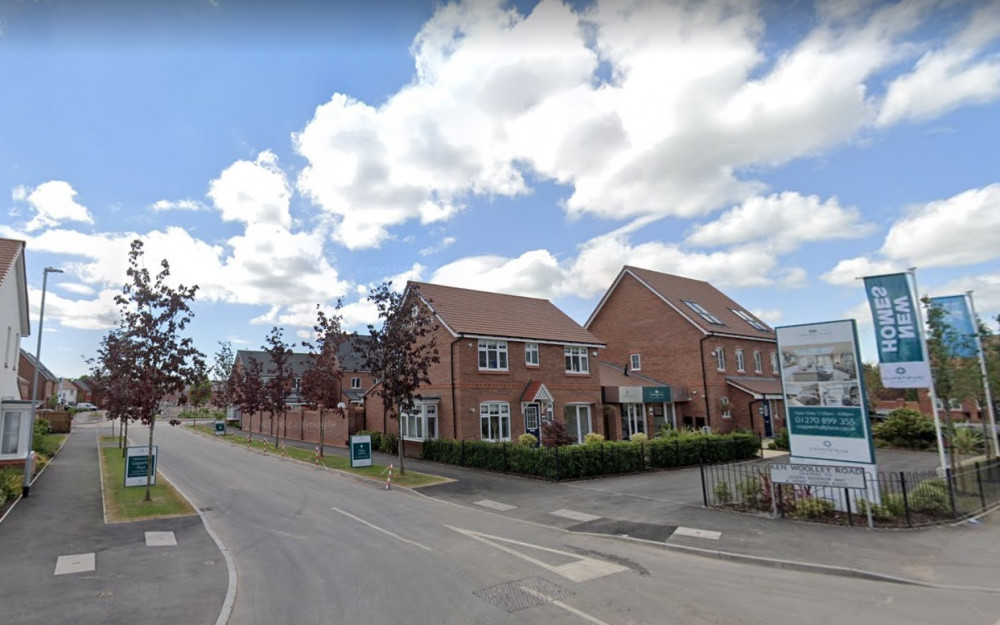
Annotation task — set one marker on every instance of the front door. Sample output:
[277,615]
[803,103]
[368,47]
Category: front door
[633,420]
[531,421]
[765,411]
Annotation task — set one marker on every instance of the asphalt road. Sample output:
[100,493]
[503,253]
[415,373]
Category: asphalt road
[313,546]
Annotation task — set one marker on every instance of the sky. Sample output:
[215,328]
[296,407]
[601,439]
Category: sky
[284,156]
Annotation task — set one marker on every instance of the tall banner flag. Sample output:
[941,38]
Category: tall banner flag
[902,360]
[961,341]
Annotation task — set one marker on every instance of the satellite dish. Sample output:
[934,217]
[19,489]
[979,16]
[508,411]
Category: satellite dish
[341,405]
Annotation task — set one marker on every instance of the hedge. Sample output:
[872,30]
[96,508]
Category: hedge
[596,459]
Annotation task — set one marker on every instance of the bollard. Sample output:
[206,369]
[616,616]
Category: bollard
[388,480]
[284,454]
[249,440]
[316,458]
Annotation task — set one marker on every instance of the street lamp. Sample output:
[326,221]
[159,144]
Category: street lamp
[34,384]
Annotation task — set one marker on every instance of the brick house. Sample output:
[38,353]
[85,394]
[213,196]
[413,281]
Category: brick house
[507,365]
[47,381]
[15,414]
[719,361]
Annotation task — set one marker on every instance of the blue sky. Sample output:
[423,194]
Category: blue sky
[284,155]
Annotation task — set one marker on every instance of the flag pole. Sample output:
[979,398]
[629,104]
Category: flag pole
[992,421]
[912,277]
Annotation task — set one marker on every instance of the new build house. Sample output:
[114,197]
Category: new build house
[507,364]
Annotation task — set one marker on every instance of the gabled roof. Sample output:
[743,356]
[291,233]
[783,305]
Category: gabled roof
[349,359]
[12,268]
[759,388]
[675,291]
[465,312]
[42,369]
[612,374]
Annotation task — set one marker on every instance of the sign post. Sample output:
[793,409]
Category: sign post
[137,466]
[361,450]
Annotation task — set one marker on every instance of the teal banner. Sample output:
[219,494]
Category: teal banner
[960,336]
[656,394]
[827,422]
[897,324]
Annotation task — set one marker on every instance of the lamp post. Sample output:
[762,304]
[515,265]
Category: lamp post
[34,384]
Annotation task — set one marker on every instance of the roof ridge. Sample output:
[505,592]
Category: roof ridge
[462,288]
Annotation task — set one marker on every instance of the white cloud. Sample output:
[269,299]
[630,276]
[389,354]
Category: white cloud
[953,231]
[948,77]
[434,249]
[847,271]
[535,273]
[100,313]
[183,205]
[785,220]
[53,203]
[76,288]
[253,192]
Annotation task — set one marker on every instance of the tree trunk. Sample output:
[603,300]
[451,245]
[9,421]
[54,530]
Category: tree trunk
[399,428]
[149,458]
[321,438]
[122,436]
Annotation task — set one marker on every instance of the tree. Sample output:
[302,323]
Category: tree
[222,375]
[401,352]
[111,377]
[322,379]
[159,360]
[200,393]
[279,381]
[248,389]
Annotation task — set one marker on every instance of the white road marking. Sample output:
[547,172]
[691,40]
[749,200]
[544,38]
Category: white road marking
[76,563]
[580,570]
[562,605]
[161,539]
[696,533]
[379,529]
[582,517]
[495,505]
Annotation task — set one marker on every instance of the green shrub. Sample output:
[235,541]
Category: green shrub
[722,493]
[880,512]
[906,428]
[895,505]
[751,491]
[528,440]
[593,438]
[931,497]
[667,431]
[11,482]
[813,507]
[966,440]
[639,438]
[781,440]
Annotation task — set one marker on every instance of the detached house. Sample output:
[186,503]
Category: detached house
[508,364]
[718,362]
[15,414]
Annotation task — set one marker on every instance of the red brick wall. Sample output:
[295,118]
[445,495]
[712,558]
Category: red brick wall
[301,424]
[634,320]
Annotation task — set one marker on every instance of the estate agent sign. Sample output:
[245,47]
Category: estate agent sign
[137,465]
[361,451]
[902,361]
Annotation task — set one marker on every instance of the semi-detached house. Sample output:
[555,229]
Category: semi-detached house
[15,414]
[507,365]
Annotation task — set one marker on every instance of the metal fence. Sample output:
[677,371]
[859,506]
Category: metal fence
[893,499]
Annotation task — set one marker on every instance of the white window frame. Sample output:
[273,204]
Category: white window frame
[741,361]
[753,323]
[416,426]
[774,362]
[727,407]
[577,409]
[758,362]
[577,359]
[635,362]
[531,355]
[355,383]
[720,359]
[10,428]
[488,411]
[498,349]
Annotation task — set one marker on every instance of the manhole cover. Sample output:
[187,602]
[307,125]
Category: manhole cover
[530,592]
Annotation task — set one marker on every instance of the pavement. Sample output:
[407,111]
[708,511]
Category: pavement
[56,544]
[61,563]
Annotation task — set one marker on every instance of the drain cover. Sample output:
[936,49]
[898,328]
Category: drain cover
[530,592]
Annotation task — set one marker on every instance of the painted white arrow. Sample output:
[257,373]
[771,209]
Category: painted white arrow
[580,570]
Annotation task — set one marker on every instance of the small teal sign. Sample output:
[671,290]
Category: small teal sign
[361,451]
[656,394]
[220,428]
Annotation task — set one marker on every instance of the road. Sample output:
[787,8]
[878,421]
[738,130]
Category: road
[313,546]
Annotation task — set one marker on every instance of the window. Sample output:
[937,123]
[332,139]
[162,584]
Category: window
[635,362]
[745,316]
[6,351]
[741,364]
[578,421]
[720,359]
[11,432]
[355,383]
[726,407]
[704,314]
[493,355]
[531,354]
[577,360]
[774,362]
[494,421]
[758,363]
[421,424]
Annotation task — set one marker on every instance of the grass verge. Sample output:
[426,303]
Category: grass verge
[128,504]
[412,479]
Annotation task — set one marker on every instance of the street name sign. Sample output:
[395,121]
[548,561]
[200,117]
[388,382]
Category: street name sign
[830,476]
